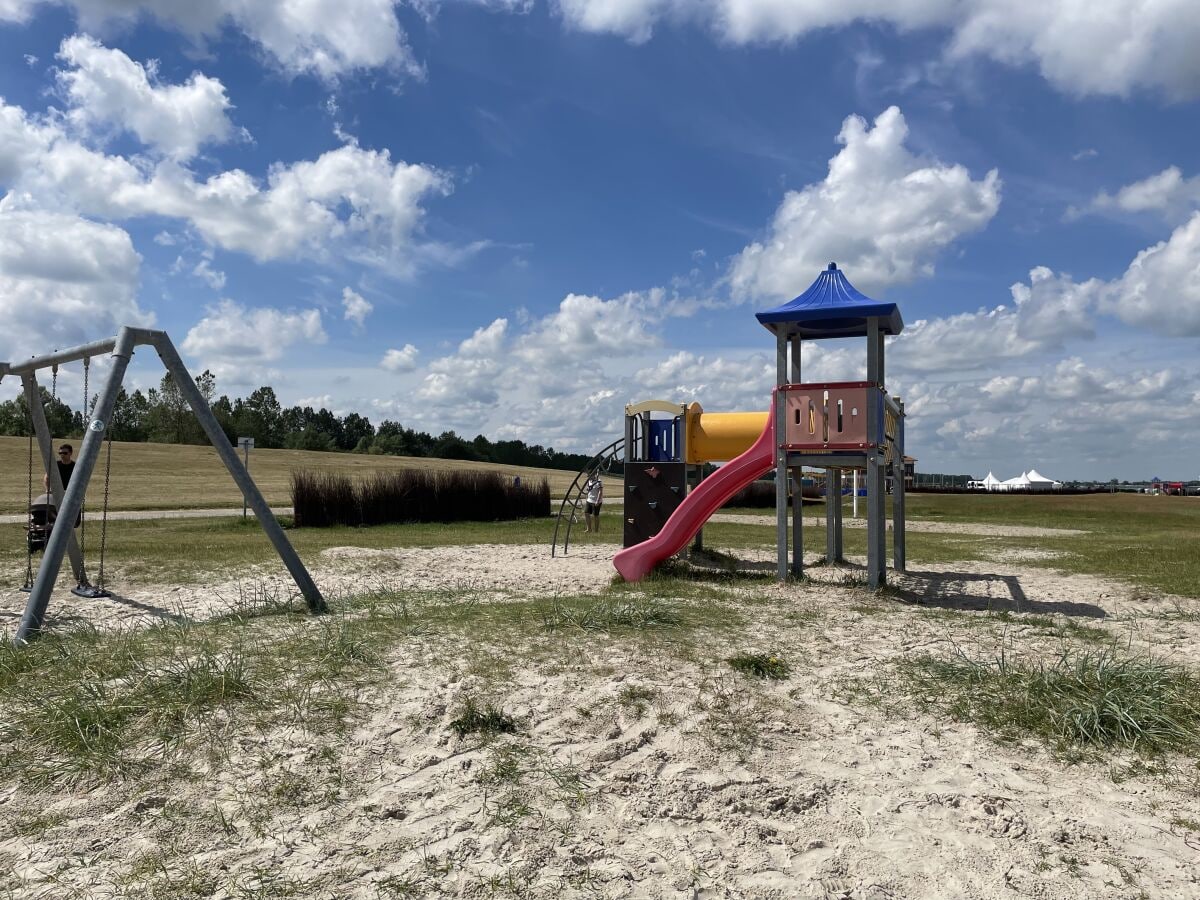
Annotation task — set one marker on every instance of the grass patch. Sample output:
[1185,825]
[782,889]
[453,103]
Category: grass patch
[635,699]
[117,704]
[483,720]
[608,614]
[524,781]
[1094,700]
[761,665]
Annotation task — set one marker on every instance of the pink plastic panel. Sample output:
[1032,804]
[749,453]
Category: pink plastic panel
[827,416]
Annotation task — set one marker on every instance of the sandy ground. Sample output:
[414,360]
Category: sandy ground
[720,786]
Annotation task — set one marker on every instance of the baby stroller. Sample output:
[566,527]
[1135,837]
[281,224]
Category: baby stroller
[42,513]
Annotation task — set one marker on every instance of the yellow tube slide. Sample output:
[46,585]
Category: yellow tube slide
[720,437]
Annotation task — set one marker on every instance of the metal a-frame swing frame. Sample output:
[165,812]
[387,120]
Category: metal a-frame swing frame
[70,501]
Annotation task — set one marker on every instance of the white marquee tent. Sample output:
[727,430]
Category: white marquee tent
[1017,483]
[1026,481]
[1039,482]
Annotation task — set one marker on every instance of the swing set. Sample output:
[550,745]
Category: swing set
[45,530]
[43,510]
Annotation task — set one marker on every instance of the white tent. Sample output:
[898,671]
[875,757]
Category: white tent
[1039,482]
[991,483]
[1019,483]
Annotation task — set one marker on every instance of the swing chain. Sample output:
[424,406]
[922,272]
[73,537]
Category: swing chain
[54,382]
[104,514]
[29,514]
[87,364]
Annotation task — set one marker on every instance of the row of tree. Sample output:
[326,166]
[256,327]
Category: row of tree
[161,415]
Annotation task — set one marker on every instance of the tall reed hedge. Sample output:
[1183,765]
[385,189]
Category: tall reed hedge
[320,499]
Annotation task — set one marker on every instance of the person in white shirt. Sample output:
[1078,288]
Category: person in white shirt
[594,495]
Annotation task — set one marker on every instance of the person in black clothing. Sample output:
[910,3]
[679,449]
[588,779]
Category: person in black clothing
[66,467]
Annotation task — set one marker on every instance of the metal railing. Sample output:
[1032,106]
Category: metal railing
[601,463]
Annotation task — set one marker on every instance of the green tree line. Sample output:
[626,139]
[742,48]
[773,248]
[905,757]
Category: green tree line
[161,415]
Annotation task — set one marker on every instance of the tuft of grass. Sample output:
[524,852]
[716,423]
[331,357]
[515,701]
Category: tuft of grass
[636,699]
[761,665]
[485,720]
[521,779]
[608,613]
[1082,700]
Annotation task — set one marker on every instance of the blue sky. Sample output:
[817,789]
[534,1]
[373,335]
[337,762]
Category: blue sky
[513,218]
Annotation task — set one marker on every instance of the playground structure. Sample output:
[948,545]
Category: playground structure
[61,539]
[836,426]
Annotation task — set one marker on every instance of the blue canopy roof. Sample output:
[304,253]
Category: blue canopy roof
[831,307]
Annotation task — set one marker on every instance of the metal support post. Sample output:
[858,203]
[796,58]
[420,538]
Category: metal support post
[33,397]
[876,524]
[781,472]
[833,515]
[898,560]
[187,387]
[72,502]
[797,478]
[875,370]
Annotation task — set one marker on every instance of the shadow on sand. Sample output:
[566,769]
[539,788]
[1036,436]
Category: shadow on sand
[973,591]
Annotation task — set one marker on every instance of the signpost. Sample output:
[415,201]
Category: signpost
[246,444]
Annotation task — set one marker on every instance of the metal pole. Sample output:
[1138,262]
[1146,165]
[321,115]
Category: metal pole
[854,498]
[60,357]
[246,463]
[798,480]
[72,502]
[898,523]
[833,515]
[187,387]
[876,524]
[45,440]
[781,472]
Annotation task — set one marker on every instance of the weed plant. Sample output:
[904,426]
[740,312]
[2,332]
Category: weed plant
[487,721]
[325,498]
[1082,700]
[761,665]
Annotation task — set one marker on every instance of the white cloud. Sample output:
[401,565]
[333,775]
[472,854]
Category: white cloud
[63,281]
[1160,290]
[1048,312]
[1167,193]
[403,360]
[206,273]
[1101,47]
[587,328]
[323,37]
[232,336]
[107,89]
[355,307]
[1072,418]
[881,212]
[347,194]
[349,199]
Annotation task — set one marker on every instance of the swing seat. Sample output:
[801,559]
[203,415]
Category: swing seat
[42,513]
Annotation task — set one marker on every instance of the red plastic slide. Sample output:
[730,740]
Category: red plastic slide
[697,507]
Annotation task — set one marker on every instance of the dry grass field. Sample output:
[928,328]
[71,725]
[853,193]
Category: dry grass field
[175,476]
